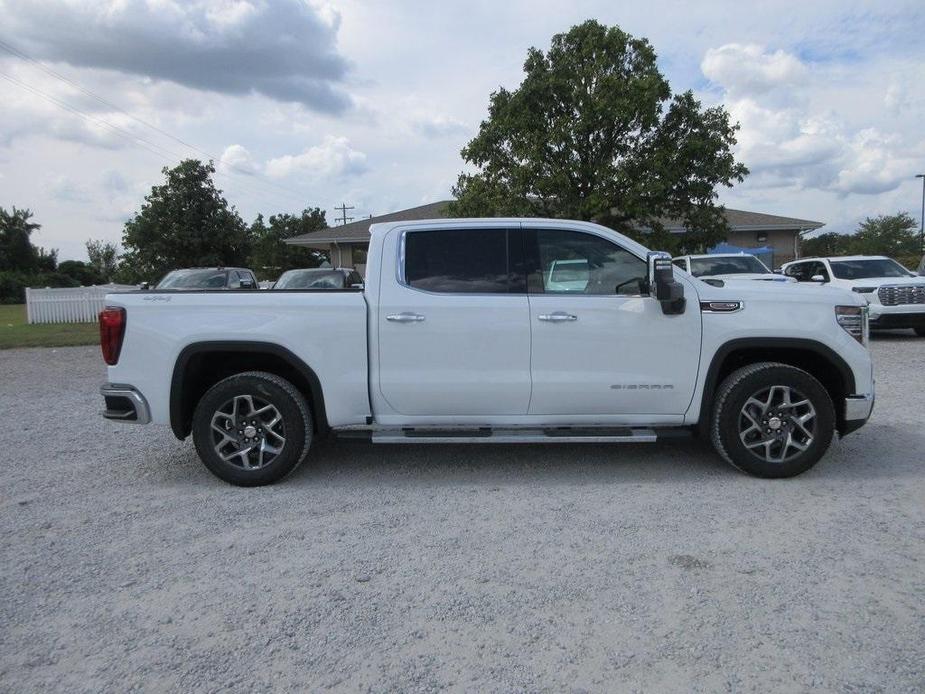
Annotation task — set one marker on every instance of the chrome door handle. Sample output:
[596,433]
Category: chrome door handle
[557,317]
[405,317]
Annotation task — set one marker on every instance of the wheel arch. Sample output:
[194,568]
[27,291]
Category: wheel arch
[820,360]
[201,365]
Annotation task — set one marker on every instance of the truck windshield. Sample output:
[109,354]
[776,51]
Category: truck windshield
[863,269]
[311,279]
[193,279]
[726,265]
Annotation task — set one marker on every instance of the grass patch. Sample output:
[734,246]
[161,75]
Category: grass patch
[16,332]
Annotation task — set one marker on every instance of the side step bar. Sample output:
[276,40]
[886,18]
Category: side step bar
[489,435]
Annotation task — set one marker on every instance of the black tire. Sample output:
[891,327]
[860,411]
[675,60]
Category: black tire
[275,450]
[920,331]
[733,427]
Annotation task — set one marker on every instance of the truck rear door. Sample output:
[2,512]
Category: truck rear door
[454,322]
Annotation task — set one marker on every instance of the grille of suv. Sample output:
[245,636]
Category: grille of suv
[893,295]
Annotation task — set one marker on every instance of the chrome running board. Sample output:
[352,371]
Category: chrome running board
[500,435]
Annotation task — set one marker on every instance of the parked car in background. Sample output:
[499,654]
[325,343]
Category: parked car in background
[209,278]
[895,295]
[319,278]
[728,266]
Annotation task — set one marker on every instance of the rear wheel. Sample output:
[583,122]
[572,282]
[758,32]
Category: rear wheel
[252,428]
[772,420]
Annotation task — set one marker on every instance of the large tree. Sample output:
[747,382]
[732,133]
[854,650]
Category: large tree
[593,132]
[184,223]
[271,256]
[104,258]
[17,253]
[828,244]
[894,235]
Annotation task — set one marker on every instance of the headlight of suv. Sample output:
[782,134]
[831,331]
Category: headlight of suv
[853,320]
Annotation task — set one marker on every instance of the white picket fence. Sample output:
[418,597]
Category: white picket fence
[69,305]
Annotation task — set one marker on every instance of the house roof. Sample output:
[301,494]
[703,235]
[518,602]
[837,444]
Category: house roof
[358,232]
[743,220]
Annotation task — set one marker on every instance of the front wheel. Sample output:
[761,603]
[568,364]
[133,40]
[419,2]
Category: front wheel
[772,420]
[252,428]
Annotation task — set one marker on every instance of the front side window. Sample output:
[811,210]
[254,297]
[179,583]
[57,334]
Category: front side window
[461,261]
[570,262]
[865,269]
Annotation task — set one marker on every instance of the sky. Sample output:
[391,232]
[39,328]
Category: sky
[369,103]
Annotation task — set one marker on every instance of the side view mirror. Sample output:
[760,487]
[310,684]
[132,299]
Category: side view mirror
[246,284]
[817,278]
[663,285]
[359,285]
[144,285]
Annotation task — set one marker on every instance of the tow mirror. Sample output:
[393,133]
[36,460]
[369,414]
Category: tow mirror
[663,285]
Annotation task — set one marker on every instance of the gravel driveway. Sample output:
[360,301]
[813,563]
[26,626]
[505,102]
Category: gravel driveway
[126,566]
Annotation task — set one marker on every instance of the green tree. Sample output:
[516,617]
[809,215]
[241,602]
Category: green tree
[83,273]
[271,256]
[16,249]
[893,235]
[593,132]
[104,258]
[184,223]
[828,244]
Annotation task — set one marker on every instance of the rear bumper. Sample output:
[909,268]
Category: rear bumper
[857,412]
[124,403]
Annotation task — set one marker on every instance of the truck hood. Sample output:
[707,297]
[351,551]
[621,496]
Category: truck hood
[779,292]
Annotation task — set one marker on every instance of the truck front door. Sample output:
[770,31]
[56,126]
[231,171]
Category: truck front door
[601,344]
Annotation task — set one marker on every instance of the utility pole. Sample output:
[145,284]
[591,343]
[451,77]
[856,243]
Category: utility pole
[922,227]
[343,219]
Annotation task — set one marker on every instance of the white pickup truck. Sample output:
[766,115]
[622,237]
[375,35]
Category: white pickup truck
[462,334]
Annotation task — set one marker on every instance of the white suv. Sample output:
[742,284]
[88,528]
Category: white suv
[896,296]
[728,266]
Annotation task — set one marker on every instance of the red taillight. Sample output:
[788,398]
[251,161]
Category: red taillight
[112,330]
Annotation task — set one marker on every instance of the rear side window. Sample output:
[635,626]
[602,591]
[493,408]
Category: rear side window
[461,261]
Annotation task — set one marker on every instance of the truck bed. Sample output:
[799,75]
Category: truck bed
[324,328]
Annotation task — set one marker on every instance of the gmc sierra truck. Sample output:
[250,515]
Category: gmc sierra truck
[494,331]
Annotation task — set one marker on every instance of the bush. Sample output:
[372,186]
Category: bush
[13,284]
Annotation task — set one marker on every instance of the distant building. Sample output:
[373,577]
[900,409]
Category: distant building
[348,244]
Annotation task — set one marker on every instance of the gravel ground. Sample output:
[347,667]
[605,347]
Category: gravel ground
[126,566]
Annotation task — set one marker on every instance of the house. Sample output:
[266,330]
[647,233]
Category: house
[348,244]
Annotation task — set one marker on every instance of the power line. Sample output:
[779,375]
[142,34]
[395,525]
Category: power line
[156,149]
[259,179]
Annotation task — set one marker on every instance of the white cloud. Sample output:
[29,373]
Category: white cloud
[334,158]
[237,158]
[748,70]
[439,126]
[789,136]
